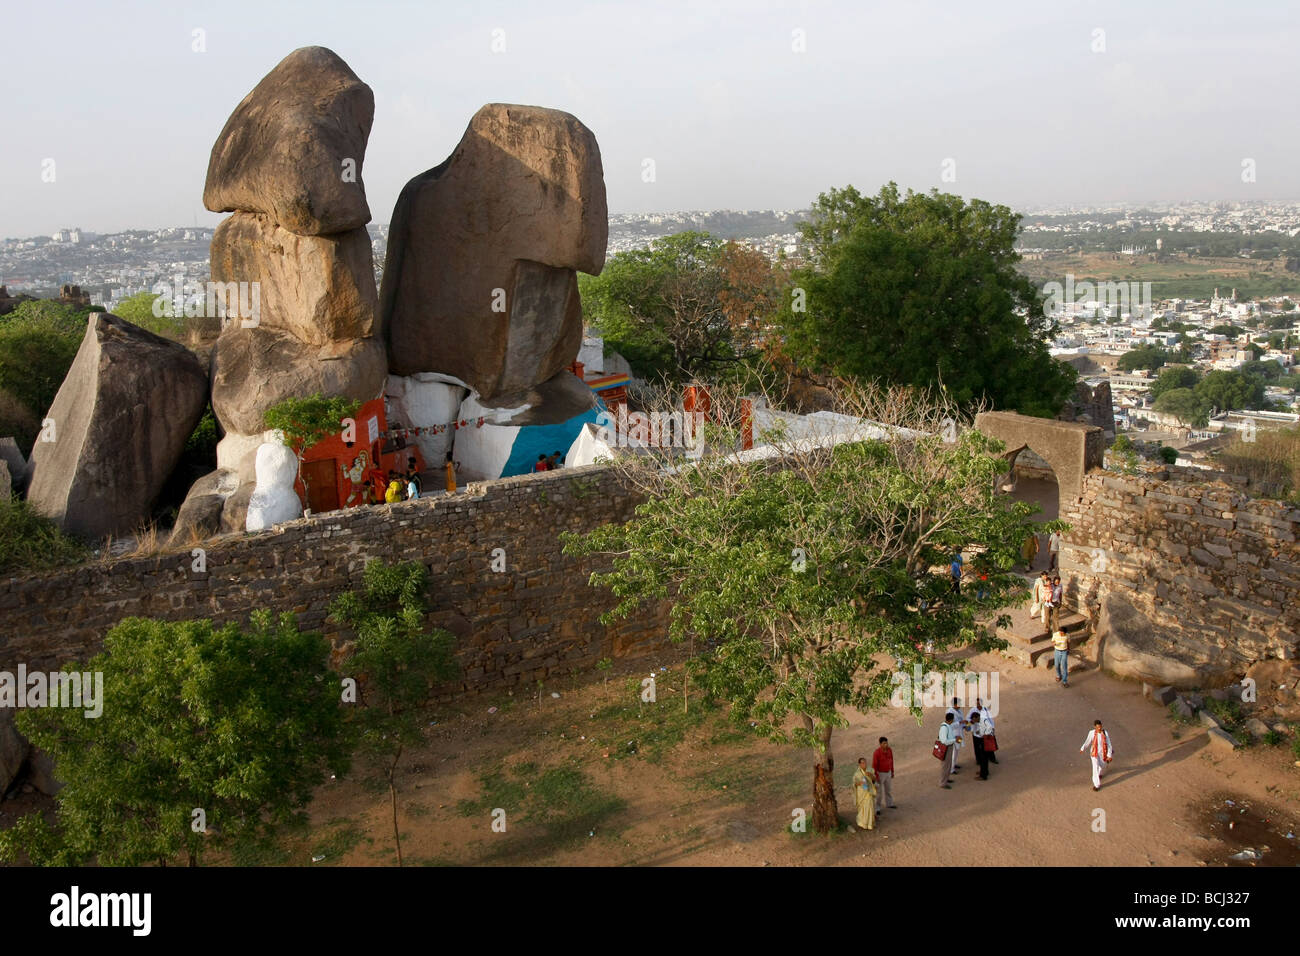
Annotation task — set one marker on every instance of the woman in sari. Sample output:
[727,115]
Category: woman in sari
[864,795]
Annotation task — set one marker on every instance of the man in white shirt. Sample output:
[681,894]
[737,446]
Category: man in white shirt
[959,727]
[1053,550]
[948,737]
[1099,749]
[988,719]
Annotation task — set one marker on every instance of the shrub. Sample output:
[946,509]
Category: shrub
[29,541]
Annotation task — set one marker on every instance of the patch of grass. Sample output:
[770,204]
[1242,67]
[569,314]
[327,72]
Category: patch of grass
[495,790]
[1228,713]
[558,809]
[1273,738]
[651,730]
[1175,716]
[338,842]
[29,541]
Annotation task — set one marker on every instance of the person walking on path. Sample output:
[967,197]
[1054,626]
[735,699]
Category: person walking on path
[949,739]
[959,727]
[864,795]
[956,573]
[1099,749]
[1054,551]
[1042,595]
[1058,596]
[1061,657]
[882,762]
[1029,551]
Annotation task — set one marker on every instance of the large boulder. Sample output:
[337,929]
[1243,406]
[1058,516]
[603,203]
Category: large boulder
[479,282]
[121,419]
[13,749]
[253,369]
[13,458]
[320,288]
[423,402]
[294,147]
[199,516]
[1131,644]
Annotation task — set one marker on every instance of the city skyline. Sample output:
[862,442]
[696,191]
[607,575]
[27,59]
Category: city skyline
[739,106]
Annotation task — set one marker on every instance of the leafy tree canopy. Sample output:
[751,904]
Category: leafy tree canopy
[239,723]
[922,290]
[690,305]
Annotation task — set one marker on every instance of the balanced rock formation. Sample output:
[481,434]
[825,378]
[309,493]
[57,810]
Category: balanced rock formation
[479,282]
[293,148]
[288,164]
[120,421]
[319,288]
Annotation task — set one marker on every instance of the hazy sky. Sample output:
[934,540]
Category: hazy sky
[715,93]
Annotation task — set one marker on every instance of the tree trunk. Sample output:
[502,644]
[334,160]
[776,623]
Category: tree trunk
[392,796]
[826,812]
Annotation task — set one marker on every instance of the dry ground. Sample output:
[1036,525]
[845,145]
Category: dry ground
[670,788]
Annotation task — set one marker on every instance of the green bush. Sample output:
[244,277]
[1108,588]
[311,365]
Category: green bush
[29,541]
[1168,455]
[38,342]
[239,723]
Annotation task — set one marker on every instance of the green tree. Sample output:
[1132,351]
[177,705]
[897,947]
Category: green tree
[38,342]
[139,310]
[240,724]
[1231,331]
[1185,405]
[400,661]
[305,421]
[689,305]
[796,576]
[1144,356]
[1226,390]
[923,290]
[1175,376]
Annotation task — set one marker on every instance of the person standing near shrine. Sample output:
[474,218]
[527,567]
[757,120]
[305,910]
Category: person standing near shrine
[1098,747]
[450,468]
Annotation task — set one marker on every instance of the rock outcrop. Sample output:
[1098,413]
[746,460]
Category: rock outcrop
[253,369]
[120,422]
[13,749]
[297,243]
[1130,644]
[479,282]
[319,288]
[294,147]
[17,464]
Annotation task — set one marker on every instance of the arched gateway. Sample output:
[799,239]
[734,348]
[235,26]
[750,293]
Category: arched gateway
[1070,448]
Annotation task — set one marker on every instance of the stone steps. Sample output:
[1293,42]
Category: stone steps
[1029,641]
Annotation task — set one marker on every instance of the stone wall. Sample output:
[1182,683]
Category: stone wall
[536,619]
[1186,584]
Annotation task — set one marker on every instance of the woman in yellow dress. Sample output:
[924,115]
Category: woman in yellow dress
[864,794]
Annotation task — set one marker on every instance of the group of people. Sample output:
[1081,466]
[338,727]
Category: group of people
[873,781]
[1029,550]
[956,726]
[409,484]
[405,486]
[548,462]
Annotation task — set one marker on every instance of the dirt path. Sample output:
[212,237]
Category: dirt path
[711,795]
